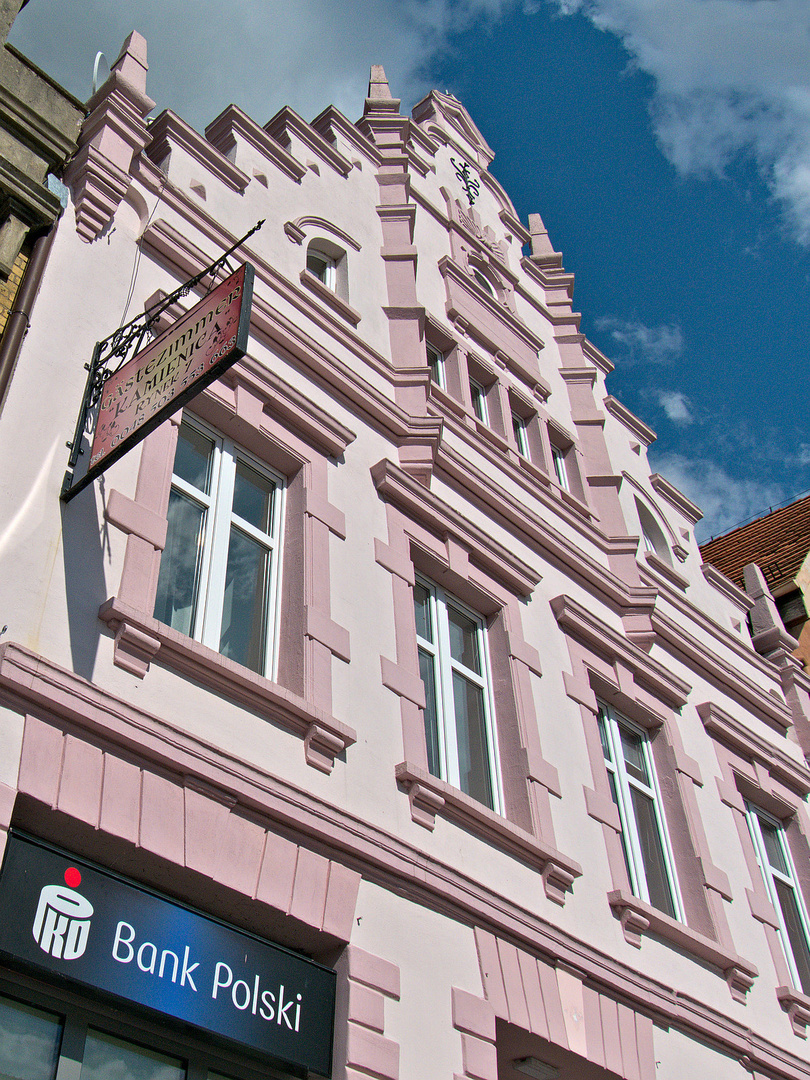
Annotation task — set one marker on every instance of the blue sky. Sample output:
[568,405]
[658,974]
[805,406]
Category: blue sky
[666,146]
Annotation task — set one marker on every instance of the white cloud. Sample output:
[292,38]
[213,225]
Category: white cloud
[731,76]
[676,405]
[636,342]
[258,54]
[725,501]
[804,453]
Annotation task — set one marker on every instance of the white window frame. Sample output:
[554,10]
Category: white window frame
[520,429]
[329,276]
[770,875]
[611,723]
[558,457]
[444,665]
[478,397]
[436,360]
[217,505]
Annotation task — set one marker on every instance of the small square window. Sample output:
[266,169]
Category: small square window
[323,267]
[454,666]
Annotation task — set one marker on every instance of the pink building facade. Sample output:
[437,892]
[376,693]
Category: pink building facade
[388,654]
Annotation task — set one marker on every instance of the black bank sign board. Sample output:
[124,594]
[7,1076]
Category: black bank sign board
[78,922]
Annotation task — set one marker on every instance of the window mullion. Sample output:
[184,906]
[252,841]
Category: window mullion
[448,744]
[218,536]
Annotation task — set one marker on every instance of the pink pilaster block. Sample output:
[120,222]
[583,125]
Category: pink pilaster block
[375,972]
[366,1007]
[120,799]
[646,1050]
[80,784]
[241,856]
[627,1037]
[513,985]
[369,1051]
[479,1058]
[610,1035]
[277,872]
[534,995]
[308,901]
[593,1026]
[205,821]
[41,761]
[551,999]
[341,901]
[473,1014]
[8,796]
[163,818]
[490,965]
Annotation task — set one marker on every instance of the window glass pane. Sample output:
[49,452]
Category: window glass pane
[192,459]
[773,846]
[652,853]
[178,583]
[421,607]
[253,496]
[633,750]
[471,740]
[464,639]
[603,736]
[244,606]
[795,932]
[484,282]
[108,1058]
[319,265]
[29,1041]
[428,673]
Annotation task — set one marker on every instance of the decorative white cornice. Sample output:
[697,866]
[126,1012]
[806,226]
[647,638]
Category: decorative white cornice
[287,123]
[592,631]
[642,431]
[738,736]
[168,131]
[232,122]
[404,491]
[676,498]
[332,122]
[698,655]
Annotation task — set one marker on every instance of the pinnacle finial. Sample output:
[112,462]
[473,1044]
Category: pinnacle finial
[378,89]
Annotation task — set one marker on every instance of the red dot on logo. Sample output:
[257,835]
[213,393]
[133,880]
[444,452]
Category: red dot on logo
[72,877]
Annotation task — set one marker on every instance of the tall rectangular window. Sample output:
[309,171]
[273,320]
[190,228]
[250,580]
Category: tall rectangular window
[435,359]
[219,572]
[634,787]
[453,663]
[478,395]
[560,467]
[781,883]
[519,428]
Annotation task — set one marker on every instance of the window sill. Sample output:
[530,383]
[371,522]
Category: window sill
[797,1006]
[330,297]
[430,796]
[638,918]
[139,638]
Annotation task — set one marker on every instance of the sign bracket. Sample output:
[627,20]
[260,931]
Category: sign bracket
[114,351]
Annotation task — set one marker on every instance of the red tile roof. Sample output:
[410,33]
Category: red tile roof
[778,543]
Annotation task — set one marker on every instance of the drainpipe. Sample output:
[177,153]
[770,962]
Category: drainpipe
[19,317]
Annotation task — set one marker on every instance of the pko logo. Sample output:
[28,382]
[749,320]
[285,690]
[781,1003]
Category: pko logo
[62,922]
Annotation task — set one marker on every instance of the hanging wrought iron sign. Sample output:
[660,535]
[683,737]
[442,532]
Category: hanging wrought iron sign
[131,400]
[470,184]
